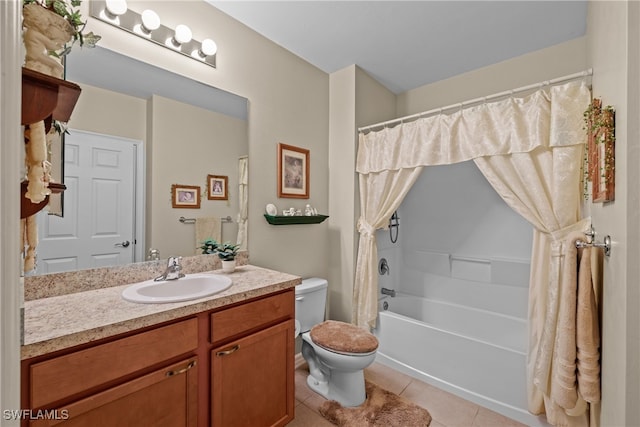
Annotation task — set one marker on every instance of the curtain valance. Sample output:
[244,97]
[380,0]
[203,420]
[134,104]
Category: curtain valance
[514,125]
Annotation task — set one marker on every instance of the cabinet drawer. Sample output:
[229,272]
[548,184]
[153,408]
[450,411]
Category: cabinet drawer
[233,321]
[166,397]
[73,373]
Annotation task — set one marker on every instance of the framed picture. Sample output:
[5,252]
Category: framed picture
[217,187]
[293,172]
[185,196]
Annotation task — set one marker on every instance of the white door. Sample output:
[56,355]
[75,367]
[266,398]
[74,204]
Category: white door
[98,227]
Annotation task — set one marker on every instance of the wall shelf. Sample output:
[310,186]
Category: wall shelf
[44,98]
[27,207]
[288,220]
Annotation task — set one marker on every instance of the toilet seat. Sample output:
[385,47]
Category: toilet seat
[343,338]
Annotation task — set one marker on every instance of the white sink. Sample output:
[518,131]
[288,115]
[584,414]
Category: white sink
[192,286]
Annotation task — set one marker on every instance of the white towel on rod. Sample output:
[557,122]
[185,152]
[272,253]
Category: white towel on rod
[207,228]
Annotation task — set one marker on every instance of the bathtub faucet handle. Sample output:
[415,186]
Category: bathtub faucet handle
[383,266]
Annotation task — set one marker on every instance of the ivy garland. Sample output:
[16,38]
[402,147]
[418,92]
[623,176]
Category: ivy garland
[600,127]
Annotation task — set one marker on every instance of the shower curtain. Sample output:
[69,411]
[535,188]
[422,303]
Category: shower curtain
[243,200]
[530,150]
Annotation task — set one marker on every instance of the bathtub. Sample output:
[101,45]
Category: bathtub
[476,354]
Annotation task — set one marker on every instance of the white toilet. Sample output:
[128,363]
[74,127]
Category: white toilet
[336,352]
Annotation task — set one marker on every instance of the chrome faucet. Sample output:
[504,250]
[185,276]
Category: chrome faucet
[173,271]
[390,292]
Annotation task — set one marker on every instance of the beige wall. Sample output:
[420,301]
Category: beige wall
[342,193]
[110,113]
[186,144]
[545,64]
[288,102]
[355,99]
[183,144]
[613,54]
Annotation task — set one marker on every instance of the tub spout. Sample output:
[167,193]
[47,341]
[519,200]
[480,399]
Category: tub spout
[390,292]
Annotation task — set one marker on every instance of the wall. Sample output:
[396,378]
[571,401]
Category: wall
[632,389]
[459,242]
[186,144]
[613,53]
[545,64]
[119,115]
[342,194]
[355,99]
[11,293]
[454,210]
[288,102]
[183,144]
[463,249]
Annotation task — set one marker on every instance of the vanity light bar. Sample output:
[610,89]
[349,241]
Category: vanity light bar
[179,41]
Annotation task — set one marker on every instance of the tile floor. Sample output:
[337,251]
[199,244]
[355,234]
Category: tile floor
[446,409]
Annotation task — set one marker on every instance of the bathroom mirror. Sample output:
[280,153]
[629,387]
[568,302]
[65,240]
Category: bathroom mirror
[180,132]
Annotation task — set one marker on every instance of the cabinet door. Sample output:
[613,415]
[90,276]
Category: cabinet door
[167,397]
[252,379]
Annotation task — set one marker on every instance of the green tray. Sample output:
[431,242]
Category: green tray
[286,220]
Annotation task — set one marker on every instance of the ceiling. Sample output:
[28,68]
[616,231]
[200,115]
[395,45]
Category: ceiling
[407,44]
[402,44]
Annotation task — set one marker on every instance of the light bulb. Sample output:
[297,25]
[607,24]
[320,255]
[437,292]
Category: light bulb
[116,7]
[182,34]
[208,48]
[150,21]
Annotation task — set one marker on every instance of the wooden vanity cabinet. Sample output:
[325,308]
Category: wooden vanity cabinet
[227,367]
[166,397]
[252,375]
[130,381]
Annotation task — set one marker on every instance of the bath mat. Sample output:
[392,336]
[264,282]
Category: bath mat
[381,409]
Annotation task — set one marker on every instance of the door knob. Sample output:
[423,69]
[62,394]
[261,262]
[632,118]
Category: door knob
[124,244]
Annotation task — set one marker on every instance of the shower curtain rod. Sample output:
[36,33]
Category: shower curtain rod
[460,105]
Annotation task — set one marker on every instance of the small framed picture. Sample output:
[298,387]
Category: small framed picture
[185,196]
[293,172]
[217,187]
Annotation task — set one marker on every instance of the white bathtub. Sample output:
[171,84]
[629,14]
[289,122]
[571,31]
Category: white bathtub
[476,354]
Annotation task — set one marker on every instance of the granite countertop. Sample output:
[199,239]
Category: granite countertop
[63,321]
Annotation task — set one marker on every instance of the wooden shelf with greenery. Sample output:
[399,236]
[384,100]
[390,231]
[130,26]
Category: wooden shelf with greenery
[299,219]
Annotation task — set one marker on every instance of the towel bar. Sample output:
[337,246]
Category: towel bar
[193,220]
[606,244]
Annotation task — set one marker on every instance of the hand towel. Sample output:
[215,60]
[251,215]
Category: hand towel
[587,331]
[563,372]
[207,228]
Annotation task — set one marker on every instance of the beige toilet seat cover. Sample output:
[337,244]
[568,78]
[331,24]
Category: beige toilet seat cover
[343,337]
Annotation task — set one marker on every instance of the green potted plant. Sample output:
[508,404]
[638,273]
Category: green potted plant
[227,253]
[208,247]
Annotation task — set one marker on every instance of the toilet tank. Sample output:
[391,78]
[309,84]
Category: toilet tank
[311,298]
